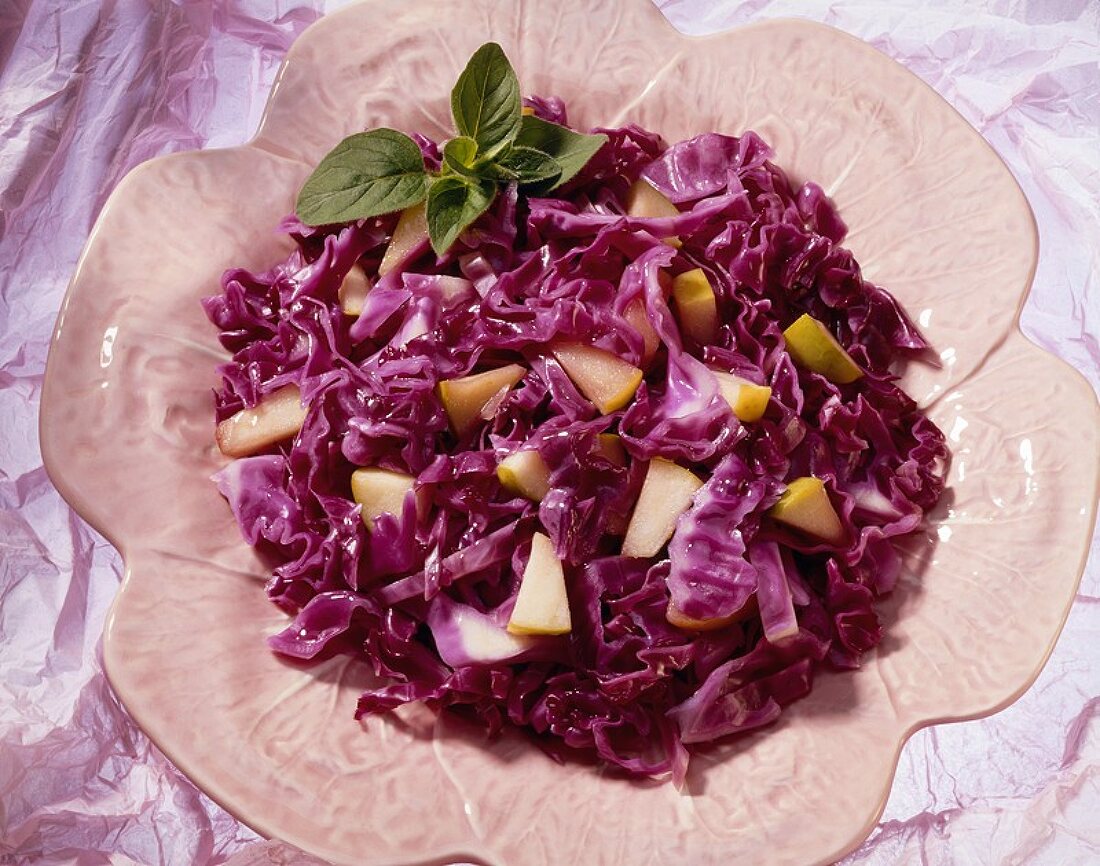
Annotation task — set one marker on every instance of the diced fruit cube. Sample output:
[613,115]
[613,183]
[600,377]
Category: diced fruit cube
[677,618]
[525,473]
[277,417]
[410,234]
[610,447]
[465,636]
[696,305]
[812,346]
[666,494]
[542,606]
[454,290]
[465,398]
[645,201]
[805,505]
[380,491]
[605,379]
[353,291]
[747,399]
[636,317]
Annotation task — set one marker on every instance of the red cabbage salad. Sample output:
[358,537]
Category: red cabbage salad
[602,441]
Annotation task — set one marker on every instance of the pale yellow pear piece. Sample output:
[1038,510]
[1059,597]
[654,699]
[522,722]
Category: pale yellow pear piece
[411,231]
[666,494]
[636,317]
[482,641]
[380,491]
[610,447]
[812,347]
[542,606]
[645,201]
[525,473]
[605,379]
[805,505]
[696,305]
[677,618]
[353,291]
[277,417]
[466,397]
[747,399]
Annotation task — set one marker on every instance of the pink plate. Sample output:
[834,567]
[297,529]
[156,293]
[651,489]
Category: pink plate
[935,217]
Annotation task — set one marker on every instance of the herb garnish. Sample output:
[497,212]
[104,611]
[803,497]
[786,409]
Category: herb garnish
[381,171]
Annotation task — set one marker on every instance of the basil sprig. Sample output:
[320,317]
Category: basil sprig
[382,171]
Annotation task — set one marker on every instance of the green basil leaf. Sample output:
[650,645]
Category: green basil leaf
[571,150]
[486,102]
[460,154]
[365,175]
[494,170]
[454,202]
[530,165]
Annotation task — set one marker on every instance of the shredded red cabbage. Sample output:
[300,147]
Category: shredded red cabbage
[416,597]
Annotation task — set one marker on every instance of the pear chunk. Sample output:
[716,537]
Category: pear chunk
[610,447]
[679,619]
[811,346]
[353,291]
[466,636]
[380,491]
[666,494]
[747,399]
[604,378]
[410,233]
[636,317]
[696,305]
[466,397]
[805,505]
[277,417]
[542,606]
[647,202]
[525,473]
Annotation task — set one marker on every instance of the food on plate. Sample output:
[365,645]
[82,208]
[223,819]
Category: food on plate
[635,316]
[275,418]
[643,200]
[380,491]
[610,447]
[465,399]
[666,493]
[542,603]
[525,473]
[410,236]
[805,505]
[601,376]
[748,400]
[579,432]
[812,346]
[696,306]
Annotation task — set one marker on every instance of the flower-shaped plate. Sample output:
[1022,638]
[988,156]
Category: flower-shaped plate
[127,423]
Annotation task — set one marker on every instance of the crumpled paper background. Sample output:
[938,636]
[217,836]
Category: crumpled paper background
[90,89]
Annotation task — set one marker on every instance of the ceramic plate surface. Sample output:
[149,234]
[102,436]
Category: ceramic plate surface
[127,424]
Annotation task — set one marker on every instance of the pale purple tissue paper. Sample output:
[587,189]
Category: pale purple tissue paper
[90,89]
